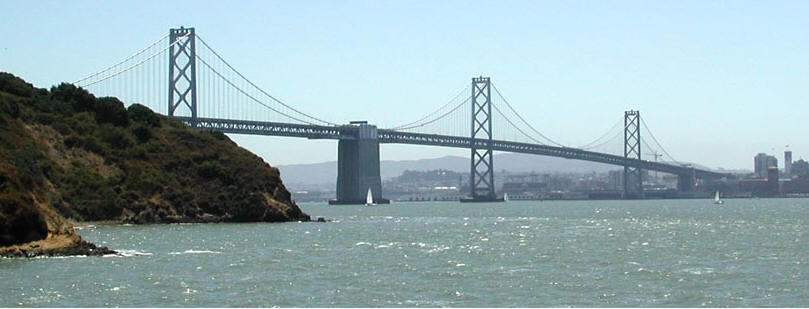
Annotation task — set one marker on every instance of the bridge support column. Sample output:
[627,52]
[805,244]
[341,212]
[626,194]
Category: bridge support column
[481,174]
[183,72]
[358,168]
[686,182]
[633,176]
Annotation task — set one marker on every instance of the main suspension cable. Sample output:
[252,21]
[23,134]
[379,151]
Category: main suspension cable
[132,66]
[615,136]
[122,61]
[515,126]
[656,142]
[523,119]
[259,88]
[435,111]
[610,130]
[436,119]
[248,95]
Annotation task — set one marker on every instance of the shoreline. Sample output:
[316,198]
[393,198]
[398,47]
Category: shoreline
[95,223]
[55,245]
[84,224]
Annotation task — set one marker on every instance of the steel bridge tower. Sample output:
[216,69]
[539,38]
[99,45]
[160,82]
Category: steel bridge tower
[633,176]
[481,180]
[183,71]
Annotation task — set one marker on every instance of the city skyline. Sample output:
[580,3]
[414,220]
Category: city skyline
[705,80]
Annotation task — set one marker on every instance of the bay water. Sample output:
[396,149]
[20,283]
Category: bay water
[651,253]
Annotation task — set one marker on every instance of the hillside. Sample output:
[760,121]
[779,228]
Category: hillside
[67,154]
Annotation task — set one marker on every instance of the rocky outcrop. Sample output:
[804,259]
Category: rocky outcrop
[60,245]
[67,154]
[31,228]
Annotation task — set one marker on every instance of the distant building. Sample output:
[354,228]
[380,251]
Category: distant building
[800,168]
[772,181]
[797,185]
[765,186]
[615,180]
[756,186]
[762,162]
[788,163]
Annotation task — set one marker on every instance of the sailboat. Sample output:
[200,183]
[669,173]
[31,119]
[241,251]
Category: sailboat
[716,199]
[369,198]
[505,197]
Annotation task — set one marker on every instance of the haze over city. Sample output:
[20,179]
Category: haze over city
[717,82]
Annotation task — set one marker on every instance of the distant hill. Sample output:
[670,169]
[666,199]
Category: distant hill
[324,175]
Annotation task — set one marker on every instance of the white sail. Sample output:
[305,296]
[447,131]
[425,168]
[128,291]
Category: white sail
[716,199]
[369,198]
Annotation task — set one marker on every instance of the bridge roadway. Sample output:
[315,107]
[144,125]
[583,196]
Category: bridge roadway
[347,132]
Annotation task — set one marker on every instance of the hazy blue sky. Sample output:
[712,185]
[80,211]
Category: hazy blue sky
[717,81]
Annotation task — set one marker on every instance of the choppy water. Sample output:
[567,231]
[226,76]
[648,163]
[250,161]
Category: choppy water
[680,253]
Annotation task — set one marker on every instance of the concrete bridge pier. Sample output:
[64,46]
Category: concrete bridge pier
[358,167]
[686,182]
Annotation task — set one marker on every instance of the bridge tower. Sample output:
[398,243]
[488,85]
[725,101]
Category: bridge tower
[481,180]
[183,71]
[633,176]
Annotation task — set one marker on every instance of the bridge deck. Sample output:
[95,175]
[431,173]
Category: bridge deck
[397,137]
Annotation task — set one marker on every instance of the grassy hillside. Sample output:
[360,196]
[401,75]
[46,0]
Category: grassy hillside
[89,158]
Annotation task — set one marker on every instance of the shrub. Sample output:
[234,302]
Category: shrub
[44,118]
[143,114]
[82,123]
[219,135]
[28,161]
[142,132]
[115,137]
[62,128]
[210,170]
[78,98]
[15,85]
[9,107]
[92,144]
[73,141]
[111,110]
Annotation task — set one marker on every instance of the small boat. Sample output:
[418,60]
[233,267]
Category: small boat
[369,198]
[717,200]
[505,197]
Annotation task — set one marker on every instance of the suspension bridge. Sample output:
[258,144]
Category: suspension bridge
[200,88]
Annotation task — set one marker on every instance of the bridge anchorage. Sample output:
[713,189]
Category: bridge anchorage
[206,92]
